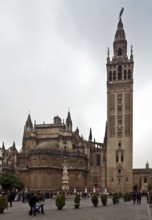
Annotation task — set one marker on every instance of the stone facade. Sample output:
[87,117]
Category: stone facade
[142,177]
[119,114]
[40,162]
[106,165]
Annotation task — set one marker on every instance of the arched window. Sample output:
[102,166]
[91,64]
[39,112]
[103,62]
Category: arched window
[119,171]
[122,157]
[119,72]
[110,76]
[114,75]
[98,159]
[129,74]
[117,158]
[125,75]
[120,51]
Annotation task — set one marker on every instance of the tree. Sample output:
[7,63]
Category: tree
[9,181]
[60,201]
[94,199]
[104,199]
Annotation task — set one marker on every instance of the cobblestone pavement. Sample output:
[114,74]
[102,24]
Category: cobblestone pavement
[120,211]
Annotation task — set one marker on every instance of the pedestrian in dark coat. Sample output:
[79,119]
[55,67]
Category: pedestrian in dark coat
[134,197]
[32,204]
[11,197]
[138,198]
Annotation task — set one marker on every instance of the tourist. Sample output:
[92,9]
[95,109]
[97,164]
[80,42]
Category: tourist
[134,197]
[11,197]
[32,204]
[138,198]
[41,202]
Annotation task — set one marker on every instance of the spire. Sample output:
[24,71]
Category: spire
[3,146]
[120,42]
[120,68]
[90,135]
[69,122]
[147,165]
[120,33]
[77,131]
[131,53]
[13,148]
[29,124]
[108,58]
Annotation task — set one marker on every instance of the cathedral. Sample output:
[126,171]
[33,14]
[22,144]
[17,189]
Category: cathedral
[91,165]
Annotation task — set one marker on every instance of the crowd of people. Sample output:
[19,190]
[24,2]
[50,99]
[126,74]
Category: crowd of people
[136,197]
[36,201]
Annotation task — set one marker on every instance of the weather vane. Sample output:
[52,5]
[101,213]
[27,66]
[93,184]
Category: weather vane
[131,48]
[121,12]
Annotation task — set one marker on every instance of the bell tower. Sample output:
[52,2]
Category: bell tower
[119,150]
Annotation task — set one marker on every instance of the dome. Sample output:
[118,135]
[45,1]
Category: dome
[48,145]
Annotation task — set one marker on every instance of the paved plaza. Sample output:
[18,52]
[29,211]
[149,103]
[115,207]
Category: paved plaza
[120,211]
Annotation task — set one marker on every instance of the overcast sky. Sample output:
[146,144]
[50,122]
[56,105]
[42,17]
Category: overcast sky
[53,58]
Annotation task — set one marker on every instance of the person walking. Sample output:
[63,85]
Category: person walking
[32,204]
[139,198]
[41,201]
[134,197]
[11,198]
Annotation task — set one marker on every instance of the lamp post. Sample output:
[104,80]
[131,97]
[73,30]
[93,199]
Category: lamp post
[65,178]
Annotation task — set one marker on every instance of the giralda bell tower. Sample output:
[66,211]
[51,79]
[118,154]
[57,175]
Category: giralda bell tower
[119,155]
